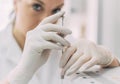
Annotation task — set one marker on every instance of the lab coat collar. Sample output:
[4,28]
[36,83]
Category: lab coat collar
[14,52]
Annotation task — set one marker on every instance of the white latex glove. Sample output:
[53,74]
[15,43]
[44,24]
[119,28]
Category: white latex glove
[39,43]
[83,55]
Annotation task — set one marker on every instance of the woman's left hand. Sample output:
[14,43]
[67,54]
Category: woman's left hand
[83,55]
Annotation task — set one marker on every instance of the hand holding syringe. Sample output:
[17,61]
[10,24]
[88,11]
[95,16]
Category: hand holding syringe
[38,45]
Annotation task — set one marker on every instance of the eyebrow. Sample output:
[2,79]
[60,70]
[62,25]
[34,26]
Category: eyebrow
[59,6]
[42,3]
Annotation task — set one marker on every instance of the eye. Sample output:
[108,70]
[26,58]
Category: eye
[37,7]
[56,10]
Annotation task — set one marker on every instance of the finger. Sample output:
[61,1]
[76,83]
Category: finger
[56,38]
[47,45]
[53,18]
[83,59]
[56,28]
[94,50]
[72,61]
[51,45]
[88,65]
[66,56]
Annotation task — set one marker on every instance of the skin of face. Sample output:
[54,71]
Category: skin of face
[29,13]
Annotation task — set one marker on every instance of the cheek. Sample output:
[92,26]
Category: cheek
[32,21]
[27,18]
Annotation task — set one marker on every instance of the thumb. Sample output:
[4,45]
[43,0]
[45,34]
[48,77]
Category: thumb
[53,18]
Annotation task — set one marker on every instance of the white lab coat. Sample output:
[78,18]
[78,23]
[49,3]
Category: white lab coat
[10,54]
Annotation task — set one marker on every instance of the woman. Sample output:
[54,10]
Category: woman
[29,41]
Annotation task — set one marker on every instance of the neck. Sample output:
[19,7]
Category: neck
[19,36]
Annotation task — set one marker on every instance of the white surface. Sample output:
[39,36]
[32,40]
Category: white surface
[102,76]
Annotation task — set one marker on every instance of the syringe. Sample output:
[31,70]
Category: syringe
[62,73]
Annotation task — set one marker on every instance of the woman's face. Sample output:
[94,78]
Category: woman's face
[29,13]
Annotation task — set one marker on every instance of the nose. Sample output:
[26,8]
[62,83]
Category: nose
[44,15]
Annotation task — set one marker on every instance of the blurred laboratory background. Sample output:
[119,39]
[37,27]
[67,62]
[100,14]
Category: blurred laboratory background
[96,20]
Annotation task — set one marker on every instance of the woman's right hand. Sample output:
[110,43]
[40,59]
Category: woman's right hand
[39,42]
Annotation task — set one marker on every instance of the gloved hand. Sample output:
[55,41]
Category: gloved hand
[39,42]
[83,55]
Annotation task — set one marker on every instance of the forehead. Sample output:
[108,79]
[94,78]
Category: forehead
[51,4]
[52,1]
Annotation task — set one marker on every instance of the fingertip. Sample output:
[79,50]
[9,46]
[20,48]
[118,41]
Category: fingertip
[69,73]
[53,18]
[69,32]
[62,12]
[66,44]
[88,65]
[82,69]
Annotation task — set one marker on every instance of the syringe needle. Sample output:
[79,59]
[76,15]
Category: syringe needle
[62,72]
[63,20]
